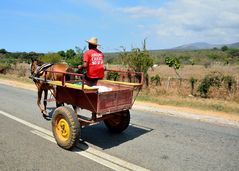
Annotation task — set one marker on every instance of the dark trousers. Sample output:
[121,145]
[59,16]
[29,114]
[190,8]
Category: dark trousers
[91,81]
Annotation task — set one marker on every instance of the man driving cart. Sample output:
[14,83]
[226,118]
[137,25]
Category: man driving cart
[93,62]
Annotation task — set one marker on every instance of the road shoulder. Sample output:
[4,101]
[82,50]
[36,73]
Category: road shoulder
[221,118]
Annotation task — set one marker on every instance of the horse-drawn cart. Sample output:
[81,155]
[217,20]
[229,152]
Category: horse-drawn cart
[109,101]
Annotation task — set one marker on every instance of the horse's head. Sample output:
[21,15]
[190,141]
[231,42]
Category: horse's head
[35,66]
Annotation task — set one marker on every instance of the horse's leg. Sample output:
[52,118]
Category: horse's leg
[39,93]
[45,101]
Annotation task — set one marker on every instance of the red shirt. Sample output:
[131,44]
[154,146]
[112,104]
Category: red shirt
[95,62]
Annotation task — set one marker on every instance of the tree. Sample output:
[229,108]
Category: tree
[70,53]
[137,60]
[124,56]
[174,63]
[224,48]
[62,53]
[77,59]
[3,51]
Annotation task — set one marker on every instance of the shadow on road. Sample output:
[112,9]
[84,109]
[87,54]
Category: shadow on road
[100,136]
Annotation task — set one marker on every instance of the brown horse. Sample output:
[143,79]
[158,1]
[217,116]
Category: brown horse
[38,71]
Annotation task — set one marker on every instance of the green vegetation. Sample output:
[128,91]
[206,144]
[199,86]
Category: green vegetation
[229,82]
[112,76]
[4,67]
[138,60]
[198,57]
[216,79]
[73,58]
[174,63]
[51,58]
[156,79]
[192,81]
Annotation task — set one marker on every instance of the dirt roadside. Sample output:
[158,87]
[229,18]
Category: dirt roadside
[221,118]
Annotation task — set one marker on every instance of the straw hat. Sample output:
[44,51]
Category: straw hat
[93,41]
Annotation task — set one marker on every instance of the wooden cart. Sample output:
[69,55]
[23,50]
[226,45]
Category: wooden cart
[110,106]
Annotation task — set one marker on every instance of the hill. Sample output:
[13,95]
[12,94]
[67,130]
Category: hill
[204,45]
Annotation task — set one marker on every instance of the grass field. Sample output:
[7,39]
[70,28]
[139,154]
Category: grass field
[196,71]
[170,93]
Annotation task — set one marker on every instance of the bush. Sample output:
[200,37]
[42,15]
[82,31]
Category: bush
[74,62]
[212,79]
[204,87]
[113,76]
[156,79]
[51,57]
[215,78]
[4,67]
[229,82]
[192,81]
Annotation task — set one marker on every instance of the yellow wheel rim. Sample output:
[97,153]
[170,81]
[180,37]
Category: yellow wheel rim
[62,129]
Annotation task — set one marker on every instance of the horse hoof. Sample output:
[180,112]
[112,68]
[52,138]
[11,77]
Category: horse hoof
[46,116]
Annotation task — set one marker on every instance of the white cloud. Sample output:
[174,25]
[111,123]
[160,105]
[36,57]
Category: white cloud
[140,11]
[98,4]
[213,21]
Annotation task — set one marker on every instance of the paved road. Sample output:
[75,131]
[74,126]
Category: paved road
[153,141]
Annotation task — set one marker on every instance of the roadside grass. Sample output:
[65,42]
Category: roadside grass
[192,102]
[14,77]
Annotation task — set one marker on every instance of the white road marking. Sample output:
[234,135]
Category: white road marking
[88,152]
[85,153]
[141,127]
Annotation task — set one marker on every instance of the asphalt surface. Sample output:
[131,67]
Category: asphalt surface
[153,141]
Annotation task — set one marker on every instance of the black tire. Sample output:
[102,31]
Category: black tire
[65,127]
[118,122]
[59,104]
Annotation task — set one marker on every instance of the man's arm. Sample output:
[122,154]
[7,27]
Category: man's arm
[84,65]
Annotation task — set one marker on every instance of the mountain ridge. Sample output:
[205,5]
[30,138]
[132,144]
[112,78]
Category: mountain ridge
[204,45]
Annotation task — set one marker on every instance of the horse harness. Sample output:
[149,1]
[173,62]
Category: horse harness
[40,69]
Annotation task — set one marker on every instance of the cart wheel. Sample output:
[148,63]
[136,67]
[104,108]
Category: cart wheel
[65,127]
[118,122]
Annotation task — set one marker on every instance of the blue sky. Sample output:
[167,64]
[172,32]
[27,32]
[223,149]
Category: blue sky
[53,25]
